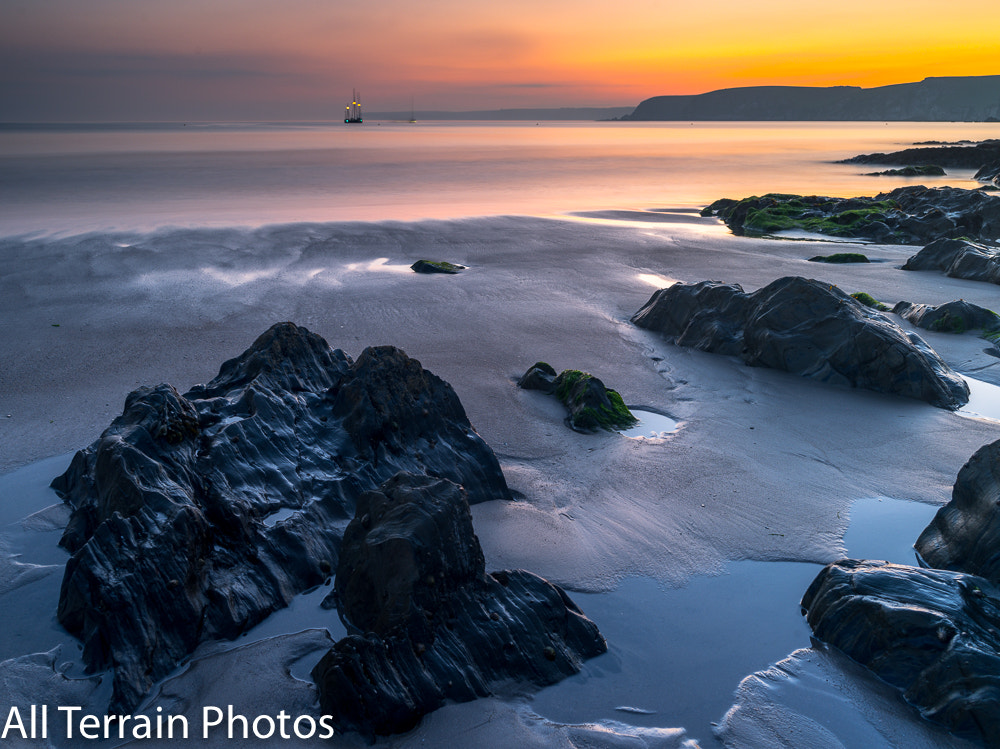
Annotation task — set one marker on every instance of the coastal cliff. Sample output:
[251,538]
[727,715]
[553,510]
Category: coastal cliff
[971,98]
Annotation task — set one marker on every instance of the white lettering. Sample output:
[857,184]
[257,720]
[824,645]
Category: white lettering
[312,727]
[143,728]
[14,722]
[326,722]
[206,723]
[233,719]
[89,722]
[170,726]
[270,730]
[69,710]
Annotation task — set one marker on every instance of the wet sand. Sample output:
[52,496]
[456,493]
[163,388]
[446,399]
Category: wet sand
[763,466]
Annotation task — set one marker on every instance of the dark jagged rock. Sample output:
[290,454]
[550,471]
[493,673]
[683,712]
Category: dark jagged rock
[436,266]
[540,376]
[840,258]
[952,317]
[956,156]
[928,170]
[965,534]
[906,215]
[807,327]
[933,634]
[591,405]
[427,623]
[197,515]
[989,173]
[959,258]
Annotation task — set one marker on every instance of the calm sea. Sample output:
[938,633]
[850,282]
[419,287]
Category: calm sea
[96,178]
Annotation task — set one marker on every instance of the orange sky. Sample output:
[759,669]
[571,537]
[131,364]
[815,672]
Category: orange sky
[299,59]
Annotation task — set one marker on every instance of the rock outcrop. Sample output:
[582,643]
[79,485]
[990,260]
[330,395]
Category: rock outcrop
[959,258]
[951,317]
[906,215]
[926,170]
[436,266]
[933,634]
[952,155]
[197,515]
[807,327]
[427,623]
[590,404]
[965,534]
[990,173]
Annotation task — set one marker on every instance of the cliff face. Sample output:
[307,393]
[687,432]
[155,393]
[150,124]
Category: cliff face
[933,99]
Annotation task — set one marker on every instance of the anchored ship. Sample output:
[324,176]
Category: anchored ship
[354,110]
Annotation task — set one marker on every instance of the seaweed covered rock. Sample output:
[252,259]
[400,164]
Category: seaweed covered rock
[591,405]
[933,634]
[965,534]
[197,515]
[807,327]
[907,215]
[436,266]
[959,258]
[427,624]
[952,317]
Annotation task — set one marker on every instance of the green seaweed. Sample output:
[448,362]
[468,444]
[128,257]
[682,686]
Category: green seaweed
[869,301]
[948,323]
[570,389]
[775,212]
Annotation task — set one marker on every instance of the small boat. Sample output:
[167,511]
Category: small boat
[354,110]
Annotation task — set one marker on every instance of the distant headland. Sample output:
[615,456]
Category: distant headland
[971,99]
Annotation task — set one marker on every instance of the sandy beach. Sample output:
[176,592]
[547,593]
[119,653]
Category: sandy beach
[763,466]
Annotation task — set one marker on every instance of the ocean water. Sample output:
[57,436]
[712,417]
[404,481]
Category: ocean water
[71,179]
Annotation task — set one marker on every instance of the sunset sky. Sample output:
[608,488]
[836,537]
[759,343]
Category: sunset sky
[85,60]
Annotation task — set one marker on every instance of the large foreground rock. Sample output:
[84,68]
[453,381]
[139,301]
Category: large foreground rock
[807,327]
[428,624]
[933,634]
[197,515]
[959,258]
[965,534]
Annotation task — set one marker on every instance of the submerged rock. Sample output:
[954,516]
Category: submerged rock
[965,534]
[927,170]
[174,535]
[841,258]
[807,327]
[907,215]
[959,258]
[427,623]
[436,266]
[933,634]
[952,317]
[591,405]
